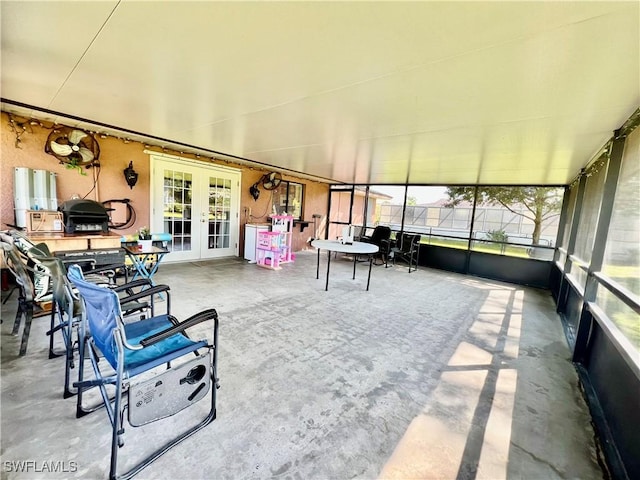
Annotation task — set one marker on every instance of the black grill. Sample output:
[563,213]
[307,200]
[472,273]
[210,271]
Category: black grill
[84,216]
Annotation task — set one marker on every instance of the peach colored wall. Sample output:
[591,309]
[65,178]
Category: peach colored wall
[115,156]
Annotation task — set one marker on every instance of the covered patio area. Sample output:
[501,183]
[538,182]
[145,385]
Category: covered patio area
[432,375]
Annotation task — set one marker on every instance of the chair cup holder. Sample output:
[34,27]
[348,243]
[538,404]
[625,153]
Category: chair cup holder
[195,375]
[170,392]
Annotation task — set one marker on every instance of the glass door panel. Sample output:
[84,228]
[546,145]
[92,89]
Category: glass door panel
[177,208]
[219,214]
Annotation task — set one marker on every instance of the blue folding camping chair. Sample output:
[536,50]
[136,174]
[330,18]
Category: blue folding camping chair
[178,371]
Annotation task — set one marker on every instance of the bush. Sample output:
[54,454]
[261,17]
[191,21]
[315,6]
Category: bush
[498,235]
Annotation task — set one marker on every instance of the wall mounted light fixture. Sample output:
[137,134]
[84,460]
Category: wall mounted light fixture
[254,191]
[130,175]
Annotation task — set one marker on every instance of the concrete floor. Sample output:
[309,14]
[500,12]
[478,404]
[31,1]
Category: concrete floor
[428,375]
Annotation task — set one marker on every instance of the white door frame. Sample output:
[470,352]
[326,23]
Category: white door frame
[157,223]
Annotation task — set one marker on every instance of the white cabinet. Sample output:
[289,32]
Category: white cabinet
[251,239]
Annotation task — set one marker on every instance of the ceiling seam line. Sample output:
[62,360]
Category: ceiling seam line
[73,69]
[403,70]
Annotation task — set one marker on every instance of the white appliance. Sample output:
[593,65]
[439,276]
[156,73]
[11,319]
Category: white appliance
[44,190]
[251,239]
[347,235]
[33,190]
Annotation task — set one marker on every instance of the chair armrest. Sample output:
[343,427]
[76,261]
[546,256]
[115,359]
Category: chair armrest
[142,282]
[147,292]
[110,271]
[203,316]
[105,268]
[387,244]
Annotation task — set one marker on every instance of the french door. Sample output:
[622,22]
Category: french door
[197,205]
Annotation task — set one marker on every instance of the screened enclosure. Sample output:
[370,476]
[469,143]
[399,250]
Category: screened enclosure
[580,241]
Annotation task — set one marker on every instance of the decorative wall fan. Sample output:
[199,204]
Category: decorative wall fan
[73,147]
[271,181]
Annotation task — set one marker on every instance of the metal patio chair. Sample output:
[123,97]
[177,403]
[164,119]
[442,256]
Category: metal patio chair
[136,298]
[381,237]
[44,279]
[407,248]
[27,306]
[178,371]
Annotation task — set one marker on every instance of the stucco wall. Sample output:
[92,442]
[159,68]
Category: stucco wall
[115,156]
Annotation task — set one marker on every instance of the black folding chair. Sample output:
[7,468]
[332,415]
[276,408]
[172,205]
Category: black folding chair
[407,248]
[381,237]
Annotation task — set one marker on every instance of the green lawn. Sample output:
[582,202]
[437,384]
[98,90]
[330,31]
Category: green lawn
[629,323]
[626,275]
[511,250]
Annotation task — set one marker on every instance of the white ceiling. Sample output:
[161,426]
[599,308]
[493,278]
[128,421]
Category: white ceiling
[363,92]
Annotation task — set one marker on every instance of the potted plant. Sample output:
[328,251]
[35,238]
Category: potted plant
[144,239]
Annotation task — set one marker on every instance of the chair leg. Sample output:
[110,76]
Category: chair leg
[19,313]
[51,333]
[16,323]
[27,329]
[52,325]
[414,256]
[65,327]
[69,363]
[82,345]
[83,385]
[118,430]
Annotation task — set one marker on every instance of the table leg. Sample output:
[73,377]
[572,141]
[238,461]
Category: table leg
[154,269]
[369,277]
[138,263]
[318,266]
[355,258]
[326,286]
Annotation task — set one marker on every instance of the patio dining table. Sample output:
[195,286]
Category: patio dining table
[353,248]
